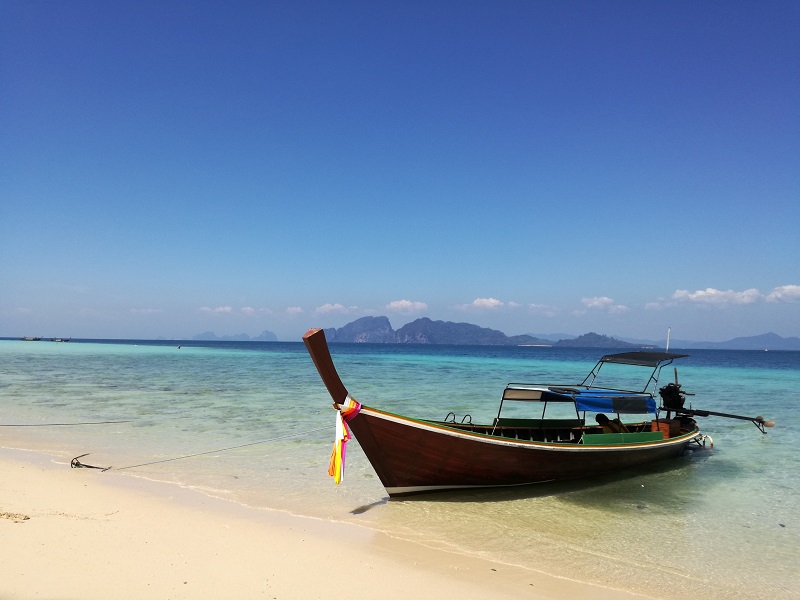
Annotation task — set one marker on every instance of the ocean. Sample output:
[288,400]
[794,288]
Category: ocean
[255,425]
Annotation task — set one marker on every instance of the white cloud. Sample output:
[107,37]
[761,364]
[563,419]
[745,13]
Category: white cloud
[489,303]
[406,306]
[294,310]
[785,293]
[481,304]
[604,303]
[327,309]
[718,297]
[597,302]
[217,310]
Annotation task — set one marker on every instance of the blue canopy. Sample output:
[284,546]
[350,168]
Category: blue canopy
[615,402]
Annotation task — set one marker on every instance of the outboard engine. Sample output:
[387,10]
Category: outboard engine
[672,396]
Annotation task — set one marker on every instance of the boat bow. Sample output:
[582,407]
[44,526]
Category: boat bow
[412,455]
[317,347]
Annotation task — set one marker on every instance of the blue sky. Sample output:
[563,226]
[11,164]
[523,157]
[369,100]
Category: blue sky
[621,167]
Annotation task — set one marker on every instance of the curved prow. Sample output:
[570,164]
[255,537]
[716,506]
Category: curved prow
[317,347]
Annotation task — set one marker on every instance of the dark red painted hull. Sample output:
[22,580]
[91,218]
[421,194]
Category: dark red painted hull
[412,456]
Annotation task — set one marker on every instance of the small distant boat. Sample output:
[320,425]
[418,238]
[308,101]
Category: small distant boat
[413,456]
[31,339]
[61,339]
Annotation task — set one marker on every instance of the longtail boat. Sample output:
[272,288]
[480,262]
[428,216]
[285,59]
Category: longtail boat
[413,456]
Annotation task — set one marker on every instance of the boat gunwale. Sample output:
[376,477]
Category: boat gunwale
[445,429]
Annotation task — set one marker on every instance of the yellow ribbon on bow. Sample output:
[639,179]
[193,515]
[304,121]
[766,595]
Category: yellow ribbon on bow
[342,436]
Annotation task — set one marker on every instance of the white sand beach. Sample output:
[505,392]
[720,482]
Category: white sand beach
[82,534]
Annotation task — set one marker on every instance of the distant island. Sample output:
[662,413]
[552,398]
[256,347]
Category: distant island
[378,330]
[765,341]
[210,336]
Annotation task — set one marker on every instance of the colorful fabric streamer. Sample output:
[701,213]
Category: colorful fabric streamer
[347,411]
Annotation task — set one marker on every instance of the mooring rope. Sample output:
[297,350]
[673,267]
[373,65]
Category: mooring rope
[61,424]
[75,463]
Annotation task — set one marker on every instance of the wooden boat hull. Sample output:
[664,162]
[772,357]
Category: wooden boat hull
[414,456]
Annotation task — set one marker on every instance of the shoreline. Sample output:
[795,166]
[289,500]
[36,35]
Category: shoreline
[70,534]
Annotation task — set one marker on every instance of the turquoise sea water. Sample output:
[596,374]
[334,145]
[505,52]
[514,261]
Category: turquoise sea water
[713,524]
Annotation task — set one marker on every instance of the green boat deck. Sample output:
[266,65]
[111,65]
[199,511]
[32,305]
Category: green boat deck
[603,439]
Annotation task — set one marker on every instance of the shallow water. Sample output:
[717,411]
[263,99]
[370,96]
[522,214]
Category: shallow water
[712,523]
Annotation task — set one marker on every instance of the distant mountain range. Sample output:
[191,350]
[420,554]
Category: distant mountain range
[210,336]
[378,330]
[765,341]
